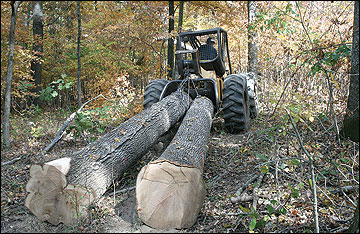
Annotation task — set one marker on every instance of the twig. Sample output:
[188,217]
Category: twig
[286,85]
[342,189]
[327,78]
[124,190]
[236,197]
[312,174]
[11,161]
[255,190]
[62,129]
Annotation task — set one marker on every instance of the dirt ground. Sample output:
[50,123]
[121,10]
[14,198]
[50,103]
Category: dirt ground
[232,160]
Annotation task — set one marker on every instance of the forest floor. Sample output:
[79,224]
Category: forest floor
[269,152]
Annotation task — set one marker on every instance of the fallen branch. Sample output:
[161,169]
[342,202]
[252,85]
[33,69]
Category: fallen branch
[237,196]
[344,189]
[11,161]
[60,133]
[124,190]
[316,219]
[255,190]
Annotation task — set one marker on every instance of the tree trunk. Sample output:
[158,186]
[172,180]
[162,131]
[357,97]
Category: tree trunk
[171,40]
[9,73]
[78,54]
[170,190]
[178,44]
[181,14]
[252,36]
[59,191]
[351,120]
[36,64]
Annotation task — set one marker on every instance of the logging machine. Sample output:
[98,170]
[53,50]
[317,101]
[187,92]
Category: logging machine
[204,69]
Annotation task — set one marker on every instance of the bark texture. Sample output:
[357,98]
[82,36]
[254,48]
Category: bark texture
[170,190]
[351,120]
[252,36]
[171,40]
[9,72]
[92,170]
[36,64]
[79,54]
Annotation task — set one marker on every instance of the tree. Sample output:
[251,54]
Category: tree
[181,14]
[9,72]
[252,36]
[78,54]
[351,121]
[38,34]
[171,40]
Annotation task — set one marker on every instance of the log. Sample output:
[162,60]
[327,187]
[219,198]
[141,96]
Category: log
[60,190]
[170,190]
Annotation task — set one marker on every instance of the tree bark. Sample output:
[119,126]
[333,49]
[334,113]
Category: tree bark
[178,44]
[60,190]
[181,14]
[170,190]
[171,40]
[351,120]
[9,73]
[36,64]
[252,36]
[78,54]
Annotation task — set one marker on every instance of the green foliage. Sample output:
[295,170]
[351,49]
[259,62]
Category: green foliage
[53,89]
[84,124]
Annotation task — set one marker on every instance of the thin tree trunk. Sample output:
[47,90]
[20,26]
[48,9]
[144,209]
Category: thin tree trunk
[252,36]
[171,40]
[178,45]
[9,72]
[170,190]
[351,120]
[181,14]
[36,64]
[59,190]
[78,54]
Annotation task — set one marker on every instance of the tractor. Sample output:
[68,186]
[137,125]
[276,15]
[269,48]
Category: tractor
[203,67]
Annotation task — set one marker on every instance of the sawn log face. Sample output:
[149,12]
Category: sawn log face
[170,190]
[92,170]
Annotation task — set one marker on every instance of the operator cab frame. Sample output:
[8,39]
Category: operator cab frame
[206,76]
[187,41]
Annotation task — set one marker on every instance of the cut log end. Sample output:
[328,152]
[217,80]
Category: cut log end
[50,198]
[169,195]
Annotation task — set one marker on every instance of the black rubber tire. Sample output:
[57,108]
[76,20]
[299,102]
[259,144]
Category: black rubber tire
[235,103]
[153,91]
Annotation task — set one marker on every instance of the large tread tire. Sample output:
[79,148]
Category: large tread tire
[153,91]
[236,103]
[253,103]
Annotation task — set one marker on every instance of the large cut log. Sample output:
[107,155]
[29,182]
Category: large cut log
[60,190]
[170,190]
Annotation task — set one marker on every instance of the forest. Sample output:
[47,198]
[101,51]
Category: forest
[75,84]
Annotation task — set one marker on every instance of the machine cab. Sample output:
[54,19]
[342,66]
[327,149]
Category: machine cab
[212,47]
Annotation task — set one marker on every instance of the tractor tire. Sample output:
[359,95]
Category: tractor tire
[235,103]
[253,103]
[153,91]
